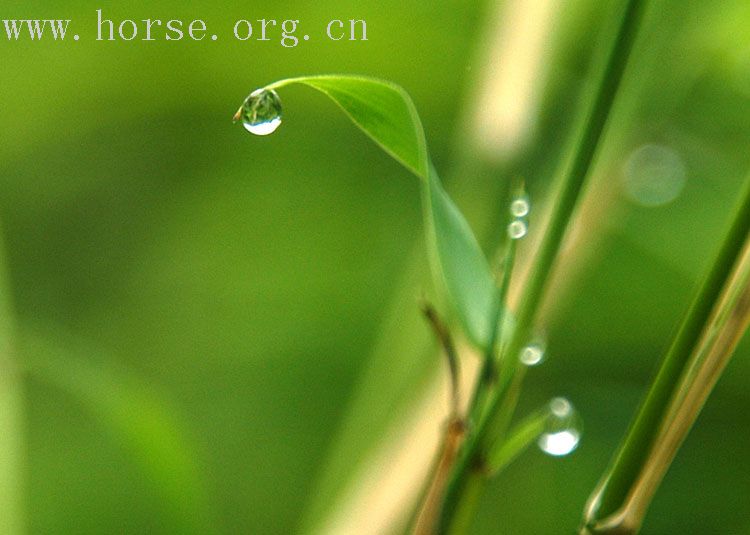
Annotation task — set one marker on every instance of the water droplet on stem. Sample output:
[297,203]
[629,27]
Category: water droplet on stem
[261,112]
[534,352]
[517,229]
[520,206]
[563,430]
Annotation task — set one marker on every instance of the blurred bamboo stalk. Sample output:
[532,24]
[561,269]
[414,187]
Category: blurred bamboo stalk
[12,521]
[511,83]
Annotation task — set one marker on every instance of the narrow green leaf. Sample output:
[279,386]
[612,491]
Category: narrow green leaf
[381,109]
[464,269]
[518,439]
[386,113]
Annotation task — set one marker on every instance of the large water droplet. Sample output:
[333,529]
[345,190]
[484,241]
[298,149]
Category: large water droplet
[261,112]
[563,431]
[533,353]
[520,206]
[654,175]
[517,229]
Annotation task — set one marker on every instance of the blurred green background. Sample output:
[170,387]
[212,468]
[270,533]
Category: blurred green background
[197,308]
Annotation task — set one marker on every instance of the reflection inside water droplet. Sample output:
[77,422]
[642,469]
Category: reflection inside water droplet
[533,353]
[520,207]
[563,430]
[559,444]
[560,407]
[517,229]
[654,175]
[261,112]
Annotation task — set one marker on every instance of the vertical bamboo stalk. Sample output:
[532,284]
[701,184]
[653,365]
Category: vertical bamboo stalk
[605,506]
[566,199]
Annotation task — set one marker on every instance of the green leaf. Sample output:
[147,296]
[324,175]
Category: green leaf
[518,439]
[386,114]
[382,110]
[465,273]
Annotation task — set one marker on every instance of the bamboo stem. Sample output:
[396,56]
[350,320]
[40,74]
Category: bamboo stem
[570,189]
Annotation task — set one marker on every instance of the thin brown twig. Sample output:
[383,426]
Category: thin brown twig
[443,336]
[429,513]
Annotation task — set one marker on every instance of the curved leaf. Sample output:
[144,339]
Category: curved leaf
[386,113]
[382,110]
[465,273]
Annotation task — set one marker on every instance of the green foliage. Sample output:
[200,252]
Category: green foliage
[519,438]
[261,284]
[385,112]
[134,415]
[381,109]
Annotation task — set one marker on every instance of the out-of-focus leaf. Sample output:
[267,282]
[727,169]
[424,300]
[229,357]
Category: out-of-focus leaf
[11,418]
[135,415]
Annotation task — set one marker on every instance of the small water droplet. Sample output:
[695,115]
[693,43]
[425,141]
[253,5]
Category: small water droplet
[654,175]
[261,112]
[533,353]
[517,229]
[520,206]
[563,431]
